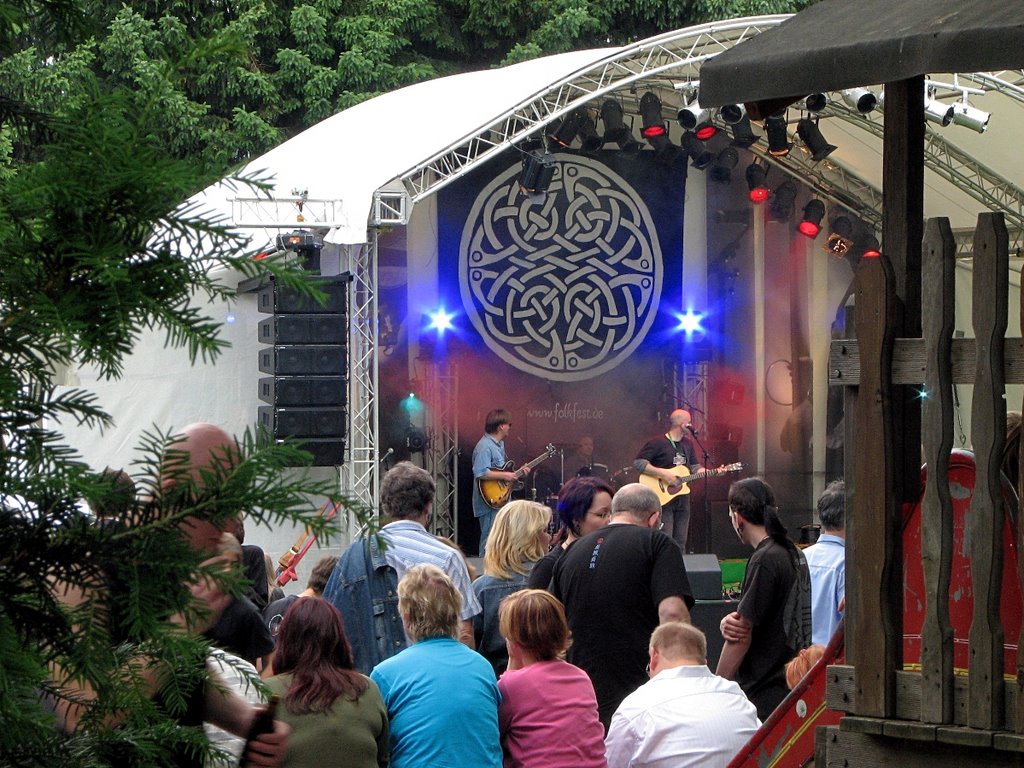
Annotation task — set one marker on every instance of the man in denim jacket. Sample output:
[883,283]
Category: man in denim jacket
[364,584]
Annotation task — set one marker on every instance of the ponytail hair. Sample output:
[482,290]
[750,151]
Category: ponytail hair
[754,500]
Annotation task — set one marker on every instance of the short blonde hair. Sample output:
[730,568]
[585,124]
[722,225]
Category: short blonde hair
[429,603]
[515,538]
[679,641]
[535,620]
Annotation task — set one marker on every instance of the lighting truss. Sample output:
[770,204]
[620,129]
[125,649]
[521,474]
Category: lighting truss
[442,456]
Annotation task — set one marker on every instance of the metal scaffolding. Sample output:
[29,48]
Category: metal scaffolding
[442,454]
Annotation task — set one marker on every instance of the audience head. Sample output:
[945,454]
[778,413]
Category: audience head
[752,501]
[313,647]
[676,643]
[518,536]
[406,491]
[637,503]
[584,505]
[116,498]
[429,603]
[321,573]
[535,620]
[495,419]
[832,507]
[801,664]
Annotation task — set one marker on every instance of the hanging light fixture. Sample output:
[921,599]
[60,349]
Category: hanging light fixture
[590,140]
[564,132]
[815,102]
[732,113]
[937,112]
[778,136]
[743,135]
[840,238]
[615,128]
[655,130]
[782,200]
[810,224]
[721,170]
[860,99]
[693,117]
[970,117]
[756,177]
[536,175]
[700,157]
[812,138]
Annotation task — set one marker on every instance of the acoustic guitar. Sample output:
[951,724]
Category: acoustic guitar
[681,485]
[496,492]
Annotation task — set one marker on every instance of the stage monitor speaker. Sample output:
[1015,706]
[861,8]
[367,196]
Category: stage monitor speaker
[280,300]
[706,615]
[303,422]
[705,575]
[725,544]
[303,360]
[303,390]
[304,329]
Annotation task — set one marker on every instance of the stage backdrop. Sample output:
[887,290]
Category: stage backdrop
[566,308]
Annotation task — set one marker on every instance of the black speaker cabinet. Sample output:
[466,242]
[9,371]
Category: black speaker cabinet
[705,575]
[278,300]
[303,360]
[706,615]
[303,390]
[304,329]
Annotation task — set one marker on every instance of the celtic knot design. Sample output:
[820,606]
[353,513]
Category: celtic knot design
[565,289]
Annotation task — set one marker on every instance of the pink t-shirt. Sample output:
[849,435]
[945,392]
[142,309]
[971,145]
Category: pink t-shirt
[548,718]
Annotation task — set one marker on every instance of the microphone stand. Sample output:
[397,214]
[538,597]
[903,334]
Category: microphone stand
[706,457]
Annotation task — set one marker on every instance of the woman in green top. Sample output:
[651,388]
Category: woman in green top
[332,709]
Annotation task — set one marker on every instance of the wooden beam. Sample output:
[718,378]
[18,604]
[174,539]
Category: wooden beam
[909,359]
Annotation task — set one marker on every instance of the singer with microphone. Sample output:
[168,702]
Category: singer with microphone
[663,463]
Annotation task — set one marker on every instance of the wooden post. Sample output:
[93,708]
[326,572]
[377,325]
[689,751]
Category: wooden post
[938,321]
[988,432]
[1019,710]
[874,629]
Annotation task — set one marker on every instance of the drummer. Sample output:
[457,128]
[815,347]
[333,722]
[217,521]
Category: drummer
[582,462]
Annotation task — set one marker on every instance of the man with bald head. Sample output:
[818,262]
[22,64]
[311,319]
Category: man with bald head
[617,585]
[660,458]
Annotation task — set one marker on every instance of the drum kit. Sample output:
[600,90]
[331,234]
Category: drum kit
[545,483]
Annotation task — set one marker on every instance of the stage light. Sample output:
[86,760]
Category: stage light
[937,112]
[693,117]
[721,169]
[412,405]
[756,176]
[816,144]
[564,132]
[615,128]
[871,250]
[650,114]
[305,244]
[440,320]
[815,102]
[732,113]
[810,224]
[691,322]
[699,155]
[970,117]
[590,141]
[840,238]
[536,175]
[860,99]
[781,205]
[743,135]
[778,137]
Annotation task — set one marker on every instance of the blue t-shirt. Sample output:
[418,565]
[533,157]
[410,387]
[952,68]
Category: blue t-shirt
[442,701]
[487,454]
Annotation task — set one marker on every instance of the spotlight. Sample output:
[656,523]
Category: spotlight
[537,173]
[756,176]
[564,133]
[695,118]
[840,238]
[589,138]
[815,102]
[650,113]
[440,320]
[305,244]
[937,112]
[743,135]
[699,155]
[732,113]
[721,169]
[615,128]
[861,99]
[691,322]
[810,225]
[871,250]
[782,200]
[970,117]
[810,135]
[778,138]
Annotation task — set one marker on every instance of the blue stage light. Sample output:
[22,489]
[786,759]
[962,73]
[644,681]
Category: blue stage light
[690,323]
[441,320]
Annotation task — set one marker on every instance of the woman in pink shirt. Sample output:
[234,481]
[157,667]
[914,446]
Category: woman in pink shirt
[543,698]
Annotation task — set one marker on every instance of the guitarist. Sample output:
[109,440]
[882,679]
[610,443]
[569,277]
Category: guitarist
[488,458]
[658,456]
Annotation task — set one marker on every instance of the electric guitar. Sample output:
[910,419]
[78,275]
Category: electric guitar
[681,485]
[496,492]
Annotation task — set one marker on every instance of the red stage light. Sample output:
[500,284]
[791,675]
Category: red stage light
[872,253]
[809,229]
[653,130]
[706,131]
[759,194]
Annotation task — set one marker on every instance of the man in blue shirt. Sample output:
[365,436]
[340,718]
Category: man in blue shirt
[488,460]
[826,560]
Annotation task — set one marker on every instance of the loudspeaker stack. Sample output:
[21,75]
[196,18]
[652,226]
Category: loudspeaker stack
[307,366]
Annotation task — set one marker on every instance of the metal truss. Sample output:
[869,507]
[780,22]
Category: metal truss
[442,454]
[661,62]
[360,478]
[286,212]
[691,391]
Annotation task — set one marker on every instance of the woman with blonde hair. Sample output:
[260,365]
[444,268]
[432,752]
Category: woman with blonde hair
[518,539]
[548,715]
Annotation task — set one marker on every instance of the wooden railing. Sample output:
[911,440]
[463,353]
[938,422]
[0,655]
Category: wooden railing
[881,373]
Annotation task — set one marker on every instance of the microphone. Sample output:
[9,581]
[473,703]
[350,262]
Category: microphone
[691,430]
[385,456]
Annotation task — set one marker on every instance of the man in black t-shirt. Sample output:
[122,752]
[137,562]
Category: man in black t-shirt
[659,459]
[617,585]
